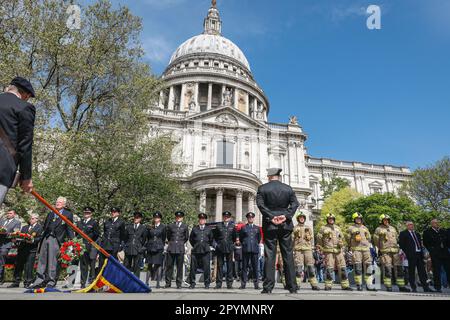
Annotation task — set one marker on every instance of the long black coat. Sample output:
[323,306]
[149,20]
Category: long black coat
[177,237]
[225,237]
[135,239]
[113,234]
[17,121]
[61,230]
[156,237]
[201,240]
[275,199]
[250,238]
[436,242]
[406,243]
[36,231]
[91,229]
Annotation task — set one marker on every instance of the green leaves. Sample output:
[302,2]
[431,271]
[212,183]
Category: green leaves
[335,184]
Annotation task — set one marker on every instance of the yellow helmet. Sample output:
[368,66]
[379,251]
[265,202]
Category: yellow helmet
[330,215]
[384,216]
[300,214]
[356,215]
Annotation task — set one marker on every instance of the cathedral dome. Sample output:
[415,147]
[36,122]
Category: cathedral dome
[211,43]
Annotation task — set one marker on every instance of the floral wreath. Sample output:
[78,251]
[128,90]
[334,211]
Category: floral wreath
[71,250]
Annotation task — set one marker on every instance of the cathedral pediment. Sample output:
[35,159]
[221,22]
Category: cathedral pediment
[227,117]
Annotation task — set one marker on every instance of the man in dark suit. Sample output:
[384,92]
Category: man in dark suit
[87,261]
[26,253]
[135,237]
[201,239]
[9,224]
[16,135]
[113,236]
[177,236]
[411,244]
[278,204]
[156,239]
[435,240]
[225,236]
[250,237]
[56,231]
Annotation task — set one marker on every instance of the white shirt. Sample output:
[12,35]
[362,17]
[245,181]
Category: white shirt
[414,239]
[115,219]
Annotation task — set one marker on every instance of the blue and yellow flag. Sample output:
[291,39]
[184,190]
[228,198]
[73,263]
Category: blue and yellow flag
[115,278]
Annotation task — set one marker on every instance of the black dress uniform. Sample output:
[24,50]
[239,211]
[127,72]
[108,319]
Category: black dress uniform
[156,237]
[201,239]
[26,255]
[250,237]
[435,240]
[135,238]
[87,261]
[225,236]
[177,236]
[275,199]
[113,235]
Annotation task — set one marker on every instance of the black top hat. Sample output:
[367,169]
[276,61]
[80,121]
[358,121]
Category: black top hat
[202,216]
[23,84]
[227,213]
[157,214]
[179,214]
[115,209]
[250,214]
[138,214]
[88,209]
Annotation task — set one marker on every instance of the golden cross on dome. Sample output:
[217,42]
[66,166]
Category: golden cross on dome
[214,3]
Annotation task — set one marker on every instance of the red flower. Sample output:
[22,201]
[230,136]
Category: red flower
[63,265]
[66,257]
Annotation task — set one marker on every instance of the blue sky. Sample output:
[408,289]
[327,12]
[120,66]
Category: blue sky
[380,96]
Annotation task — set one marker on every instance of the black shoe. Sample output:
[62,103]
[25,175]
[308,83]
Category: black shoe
[438,290]
[414,290]
[13,285]
[229,286]
[167,286]
[265,291]
[427,289]
[192,286]
[347,289]
[359,287]
[390,289]
[403,289]
[82,286]
[242,287]
[371,289]
[207,286]
[218,287]
[327,288]
[256,287]
[158,286]
[315,288]
[293,291]
[178,287]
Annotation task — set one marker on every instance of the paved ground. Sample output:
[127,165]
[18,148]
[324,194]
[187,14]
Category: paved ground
[235,294]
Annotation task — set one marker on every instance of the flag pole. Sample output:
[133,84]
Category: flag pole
[70,223]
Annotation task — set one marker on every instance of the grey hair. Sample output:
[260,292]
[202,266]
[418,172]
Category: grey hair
[34,215]
[64,199]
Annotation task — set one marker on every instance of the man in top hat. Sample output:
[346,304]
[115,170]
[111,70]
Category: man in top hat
[278,204]
[16,135]
[201,239]
[225,236]
[135,238]
[87,261]
[177,236]
[250,237]
[113,235]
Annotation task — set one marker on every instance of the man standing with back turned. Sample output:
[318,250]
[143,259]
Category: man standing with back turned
[16,135]
[278,204]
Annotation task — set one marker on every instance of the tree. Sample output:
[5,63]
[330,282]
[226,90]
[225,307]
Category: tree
[335,184]
[399,208]
[335,204]
[430,188]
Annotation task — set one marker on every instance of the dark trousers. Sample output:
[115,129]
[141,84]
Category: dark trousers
[132,263]
[172,260]
[416,261]
[102,258]
[221,259]
[284,238]
[24,263]
[3,256]
[237,268]
[437,263]
[87,266]
[249,260]
[205,260]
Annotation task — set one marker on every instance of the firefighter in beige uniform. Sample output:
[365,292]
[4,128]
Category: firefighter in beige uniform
[331,241]
[358,238]
[385,239]
[303,243]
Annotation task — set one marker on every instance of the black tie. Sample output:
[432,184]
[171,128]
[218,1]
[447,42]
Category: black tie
[416,240]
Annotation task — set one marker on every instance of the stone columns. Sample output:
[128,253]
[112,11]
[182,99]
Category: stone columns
[239,193]
[171,99]
[197,106]
[182,98]
[219,203]
[209,96]
[203,200]
[251,202]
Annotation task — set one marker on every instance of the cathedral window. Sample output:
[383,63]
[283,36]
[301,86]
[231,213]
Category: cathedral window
[225,154]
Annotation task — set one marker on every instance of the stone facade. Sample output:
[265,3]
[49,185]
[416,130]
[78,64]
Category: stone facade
[215,110]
